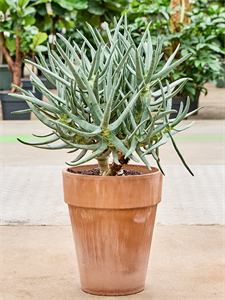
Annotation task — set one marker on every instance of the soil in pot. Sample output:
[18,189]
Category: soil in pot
[96,172]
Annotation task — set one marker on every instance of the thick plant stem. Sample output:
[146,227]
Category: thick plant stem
[13,66]
[114,169]
[103,165]
[17,75]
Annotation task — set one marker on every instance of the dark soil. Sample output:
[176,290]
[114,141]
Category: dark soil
[96,172]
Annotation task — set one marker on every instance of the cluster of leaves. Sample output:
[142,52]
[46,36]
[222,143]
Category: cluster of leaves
[99,11]
[104,104]
[203,36]
[142,12]
[95,13]
[17,18]
[66,15]
[59,14]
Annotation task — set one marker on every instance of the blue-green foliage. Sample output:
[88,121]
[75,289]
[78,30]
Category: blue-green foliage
[104,104]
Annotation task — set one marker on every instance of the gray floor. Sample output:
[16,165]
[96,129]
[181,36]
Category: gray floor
[31,199]
[39,263]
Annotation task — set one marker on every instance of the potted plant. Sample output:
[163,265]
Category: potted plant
[203,36]
[23,37]
[104,105]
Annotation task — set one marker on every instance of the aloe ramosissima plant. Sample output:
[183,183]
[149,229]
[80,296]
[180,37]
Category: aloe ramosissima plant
[104,104]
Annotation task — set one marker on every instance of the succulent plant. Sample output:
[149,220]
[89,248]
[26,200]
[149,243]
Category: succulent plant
[104,104]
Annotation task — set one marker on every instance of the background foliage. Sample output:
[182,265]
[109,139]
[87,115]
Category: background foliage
[203,35]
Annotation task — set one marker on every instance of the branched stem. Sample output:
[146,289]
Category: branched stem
[114,169]
[103,164]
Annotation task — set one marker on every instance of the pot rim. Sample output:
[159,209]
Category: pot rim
[112,192]
[148,173]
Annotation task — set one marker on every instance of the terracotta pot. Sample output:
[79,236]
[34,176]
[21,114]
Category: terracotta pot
[112,220]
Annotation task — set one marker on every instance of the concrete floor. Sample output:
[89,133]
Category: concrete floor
[201,144]
[186,262]
[39,263]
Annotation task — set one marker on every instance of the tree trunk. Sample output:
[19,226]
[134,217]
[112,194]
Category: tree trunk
[187,8]
[14,67]
[54,20]
[17,66]
[17,75]
[5,52]
[179,16]
[175,17]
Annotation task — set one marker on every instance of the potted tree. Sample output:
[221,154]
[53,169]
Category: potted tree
[203,36]
[17,20]
[104,105]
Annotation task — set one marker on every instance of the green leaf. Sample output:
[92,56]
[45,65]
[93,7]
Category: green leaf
[200,46]
[102,146]
[27,11]
[39,38]
[11,45]
[80,146]
[11,3]
[72,4]
[179,154]
[214,66]
[144,159]
[139,74]
[197,63]
[31,30]
[118,144]
[37,101]
[95,7]
[72,68]
[191,90]
[132,101]
[166,71]
[163,140]
[216,48]
[38,2]
[42,142]
[81,133]
[3,6]
[79,156]
[23,3]
[68,45]
[134,143]
[40,116]
[29,20]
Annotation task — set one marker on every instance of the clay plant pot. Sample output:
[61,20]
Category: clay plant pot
[112,221]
